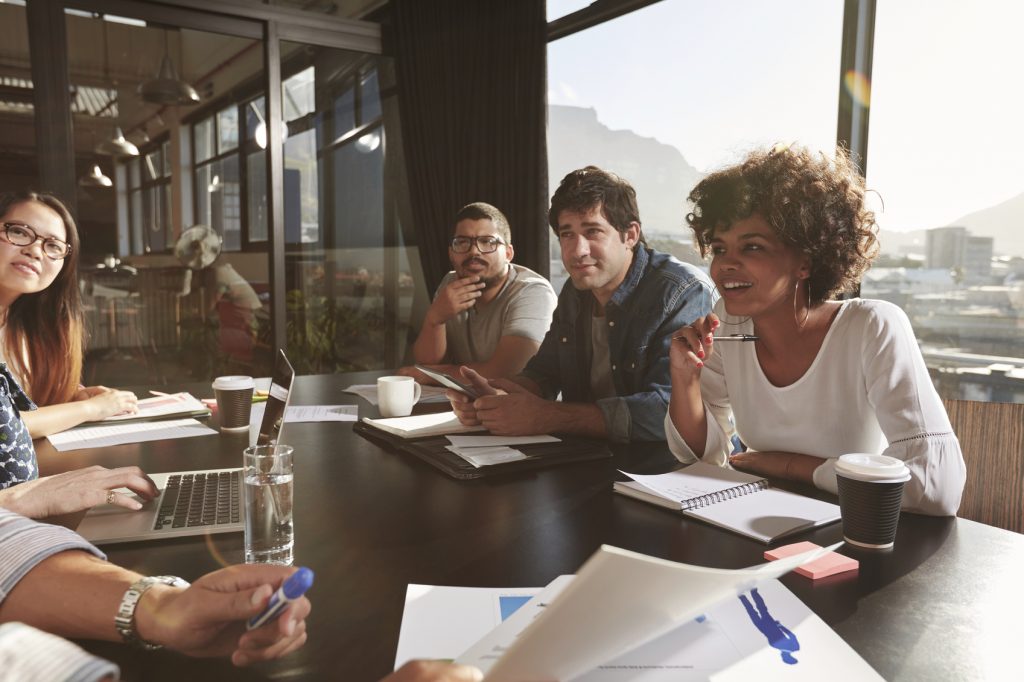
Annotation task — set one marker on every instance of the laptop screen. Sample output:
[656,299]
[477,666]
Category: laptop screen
[277,401]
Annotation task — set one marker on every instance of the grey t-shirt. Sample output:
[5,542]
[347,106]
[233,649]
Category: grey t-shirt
[523,307]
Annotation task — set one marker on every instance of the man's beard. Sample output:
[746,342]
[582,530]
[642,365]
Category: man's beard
[488,282]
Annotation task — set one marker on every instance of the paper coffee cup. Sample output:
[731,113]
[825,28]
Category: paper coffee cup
[870,494]
[234,401]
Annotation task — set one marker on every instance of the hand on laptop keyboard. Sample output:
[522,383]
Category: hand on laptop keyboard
[76,490]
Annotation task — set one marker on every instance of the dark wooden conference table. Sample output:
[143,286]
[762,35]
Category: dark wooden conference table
[945,604]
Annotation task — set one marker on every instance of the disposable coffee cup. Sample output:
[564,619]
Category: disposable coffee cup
[234,401]
[870,493]
[397,395]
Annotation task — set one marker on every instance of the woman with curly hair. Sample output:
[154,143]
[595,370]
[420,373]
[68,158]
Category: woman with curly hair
[787,230]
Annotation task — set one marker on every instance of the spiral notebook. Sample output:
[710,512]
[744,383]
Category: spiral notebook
[731,499]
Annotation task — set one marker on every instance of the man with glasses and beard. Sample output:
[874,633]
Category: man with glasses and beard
[606,353]
[488,313]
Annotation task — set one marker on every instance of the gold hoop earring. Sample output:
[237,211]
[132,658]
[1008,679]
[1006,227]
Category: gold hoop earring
[796,294]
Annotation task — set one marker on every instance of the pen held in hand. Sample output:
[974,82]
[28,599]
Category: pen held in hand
[730,337]
[292,588]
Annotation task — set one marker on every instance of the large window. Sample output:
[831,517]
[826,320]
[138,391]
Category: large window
[348,271]
[947,160]
[667,93]
[147,180]
[229,164]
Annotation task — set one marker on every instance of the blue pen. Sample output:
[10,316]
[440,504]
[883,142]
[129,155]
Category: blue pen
[291,589]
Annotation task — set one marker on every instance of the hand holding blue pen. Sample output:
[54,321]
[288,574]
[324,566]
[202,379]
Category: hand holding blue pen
[291,589]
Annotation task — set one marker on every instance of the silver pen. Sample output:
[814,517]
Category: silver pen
[730,337]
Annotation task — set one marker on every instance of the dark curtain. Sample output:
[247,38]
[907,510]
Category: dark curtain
[471,77]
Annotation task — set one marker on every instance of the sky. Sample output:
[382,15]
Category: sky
[716,77]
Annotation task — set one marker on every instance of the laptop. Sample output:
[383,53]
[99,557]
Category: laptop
[192,502]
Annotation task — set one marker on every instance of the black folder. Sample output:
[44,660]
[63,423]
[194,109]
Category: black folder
[433,450]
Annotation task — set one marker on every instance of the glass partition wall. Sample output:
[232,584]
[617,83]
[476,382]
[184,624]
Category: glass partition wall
[175,193]
[173,286]
[347,269]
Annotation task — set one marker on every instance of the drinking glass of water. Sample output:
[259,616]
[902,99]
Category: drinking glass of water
[269,532]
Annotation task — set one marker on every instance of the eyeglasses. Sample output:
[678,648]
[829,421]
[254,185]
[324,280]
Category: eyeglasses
[23,235]
[483,244]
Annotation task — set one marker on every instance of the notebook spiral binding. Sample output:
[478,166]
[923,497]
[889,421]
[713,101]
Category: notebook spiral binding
[722,495]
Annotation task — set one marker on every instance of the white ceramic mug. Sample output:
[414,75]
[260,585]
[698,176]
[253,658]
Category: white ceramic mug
[397,395]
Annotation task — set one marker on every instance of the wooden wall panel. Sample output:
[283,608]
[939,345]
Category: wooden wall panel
[992,438]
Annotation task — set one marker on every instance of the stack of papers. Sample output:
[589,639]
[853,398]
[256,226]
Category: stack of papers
[162,407]
[422,425]
[122,434]
[487,450]
[627,616]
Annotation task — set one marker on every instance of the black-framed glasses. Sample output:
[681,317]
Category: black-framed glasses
[483,244]
[20,234]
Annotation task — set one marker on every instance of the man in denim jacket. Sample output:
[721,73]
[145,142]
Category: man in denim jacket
[607,349]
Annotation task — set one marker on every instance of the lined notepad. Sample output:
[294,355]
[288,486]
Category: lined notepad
[731,499]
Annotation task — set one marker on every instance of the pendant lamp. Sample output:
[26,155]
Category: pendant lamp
[116,145]
[167,88]
[96,178]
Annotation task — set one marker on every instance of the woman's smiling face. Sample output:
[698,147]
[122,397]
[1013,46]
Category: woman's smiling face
[753,269]
[26,269]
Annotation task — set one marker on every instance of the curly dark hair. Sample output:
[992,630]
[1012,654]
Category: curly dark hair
[814,204]
[590,187]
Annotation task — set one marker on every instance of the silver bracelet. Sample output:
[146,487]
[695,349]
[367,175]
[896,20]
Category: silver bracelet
[124,621]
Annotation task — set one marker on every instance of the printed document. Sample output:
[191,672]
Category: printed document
[131,432]
[619,601]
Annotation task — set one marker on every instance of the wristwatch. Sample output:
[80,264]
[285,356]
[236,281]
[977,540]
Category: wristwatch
[124,621]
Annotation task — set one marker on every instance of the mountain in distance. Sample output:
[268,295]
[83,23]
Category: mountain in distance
[1003,222]
[659,173]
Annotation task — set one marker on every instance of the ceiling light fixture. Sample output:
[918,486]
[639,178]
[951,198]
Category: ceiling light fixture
[368,142]
[96,178]
[166,87]
[259,134]
[116,145]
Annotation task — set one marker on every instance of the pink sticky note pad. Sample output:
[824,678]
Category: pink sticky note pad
[822,567]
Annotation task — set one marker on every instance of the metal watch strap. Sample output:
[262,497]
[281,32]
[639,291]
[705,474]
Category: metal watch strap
[124,621]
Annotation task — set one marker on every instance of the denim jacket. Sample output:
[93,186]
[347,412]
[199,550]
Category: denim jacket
[17,454]
[658,296]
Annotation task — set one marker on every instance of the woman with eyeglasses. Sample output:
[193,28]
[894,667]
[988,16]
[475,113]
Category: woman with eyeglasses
[41,350]
[41,328]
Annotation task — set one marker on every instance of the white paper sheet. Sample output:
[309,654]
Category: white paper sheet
[298,414]
[480,457]
[619,601]
[761,633]
[368,392]
[132,432]
[492,441]
[442,622]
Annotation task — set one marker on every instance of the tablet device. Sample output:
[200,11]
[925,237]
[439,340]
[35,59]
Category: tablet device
[277,402]
[449,381]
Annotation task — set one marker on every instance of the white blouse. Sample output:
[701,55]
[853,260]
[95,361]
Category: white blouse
[868,390]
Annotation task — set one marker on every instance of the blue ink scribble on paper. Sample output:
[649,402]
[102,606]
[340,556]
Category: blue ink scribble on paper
[776,634]
[509,604]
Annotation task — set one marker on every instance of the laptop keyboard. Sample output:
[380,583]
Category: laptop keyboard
[200,499]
